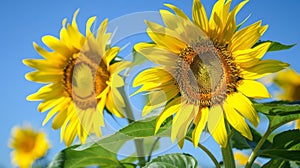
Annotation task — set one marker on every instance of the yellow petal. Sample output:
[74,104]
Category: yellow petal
[177,11]
[173,44]
[42,65]
[116,81]
[57,45]
[59,119]
[150,80]
[237,121]
[244,106]
[71,131]
[156,54]
[181,121]
[200,125]
[77,39]
[102,37]
[171,108]
[88,26]
[253,89]
[100,110]
[216,125]
[218,18]
[199,15]
[230,27]
[155,100]
[183,130]
[61,106]
[74,24]
[44,106]
[247,37]
[44,77]
[111,54]
[50,91]
[263,68]
[112,106]
[250,57]
[171,21]
[70,114]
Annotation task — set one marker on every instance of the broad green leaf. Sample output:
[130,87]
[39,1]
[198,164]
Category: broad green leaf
[279,113]
[277,163]
[94,155]
[286,146]
[176,160]
[103,152]
[148,145]
[240,142]
[276,46]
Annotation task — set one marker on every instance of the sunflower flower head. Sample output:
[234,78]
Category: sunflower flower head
[81,80]
[289,82]
[240,158]
[28,145]
[207,70]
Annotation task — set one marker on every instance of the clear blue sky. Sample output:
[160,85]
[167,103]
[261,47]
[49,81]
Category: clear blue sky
[23,22]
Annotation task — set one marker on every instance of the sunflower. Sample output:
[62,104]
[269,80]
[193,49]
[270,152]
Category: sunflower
[81,80]
[207,71]
[289,82]
[240,158]
[28,145]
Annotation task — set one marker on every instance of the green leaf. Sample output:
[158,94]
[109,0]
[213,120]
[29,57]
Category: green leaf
[279,113]
[286,146]
[90,156]
[103,152]
[240,142]
[176,160]
[148,144]
[275,46]
[277,163]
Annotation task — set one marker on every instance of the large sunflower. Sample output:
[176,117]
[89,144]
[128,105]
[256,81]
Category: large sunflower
[28,145]
[81,80]
[208,71]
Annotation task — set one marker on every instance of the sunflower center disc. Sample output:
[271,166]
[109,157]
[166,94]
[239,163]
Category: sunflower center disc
[206,73]
[85,79]
[27,144]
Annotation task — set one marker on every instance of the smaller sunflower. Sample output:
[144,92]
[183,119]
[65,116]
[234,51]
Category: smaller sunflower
[240,158]
[81,77]
[289,82]
[28,145]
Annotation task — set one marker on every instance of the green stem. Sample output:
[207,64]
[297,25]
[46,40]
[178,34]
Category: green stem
[254,153]
[227,153]
[152,148]
[212,157]
[139,143]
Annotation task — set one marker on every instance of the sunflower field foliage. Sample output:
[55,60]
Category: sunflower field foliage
[197,78]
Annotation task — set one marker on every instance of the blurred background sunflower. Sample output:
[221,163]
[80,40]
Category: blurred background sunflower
[288,82]
[28,145]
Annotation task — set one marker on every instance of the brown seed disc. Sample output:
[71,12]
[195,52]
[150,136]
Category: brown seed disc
[206,73]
